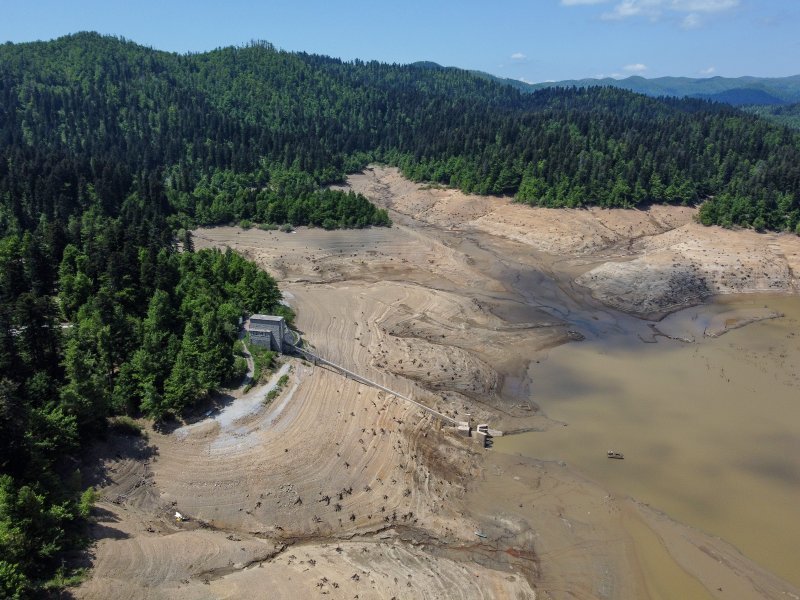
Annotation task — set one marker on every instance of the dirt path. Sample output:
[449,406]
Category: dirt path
[251,364]
[336,488]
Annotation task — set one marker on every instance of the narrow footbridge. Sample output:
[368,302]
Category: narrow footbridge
[318,360]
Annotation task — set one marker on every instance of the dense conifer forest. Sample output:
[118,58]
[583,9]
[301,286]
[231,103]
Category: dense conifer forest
[785,114]
[100,317]
[108,149]
[245,133]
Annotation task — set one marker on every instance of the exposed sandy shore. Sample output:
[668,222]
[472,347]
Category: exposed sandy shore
[646,262]
[337,489]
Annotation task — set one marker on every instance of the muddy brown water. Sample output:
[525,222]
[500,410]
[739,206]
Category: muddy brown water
[710,430]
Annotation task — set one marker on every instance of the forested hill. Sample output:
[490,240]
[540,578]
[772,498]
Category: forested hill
[243,133]
[110,151]
[788,115]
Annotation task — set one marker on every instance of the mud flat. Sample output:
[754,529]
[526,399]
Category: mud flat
[337,489]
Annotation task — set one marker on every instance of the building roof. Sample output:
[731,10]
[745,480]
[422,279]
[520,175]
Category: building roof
[271,318]
[264,322]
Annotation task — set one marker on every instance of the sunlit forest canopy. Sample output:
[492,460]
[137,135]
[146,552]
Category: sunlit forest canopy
[271,126]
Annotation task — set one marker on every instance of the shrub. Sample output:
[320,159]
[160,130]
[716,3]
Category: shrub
[88,498]
[13,583]
[239,368]
[263,360]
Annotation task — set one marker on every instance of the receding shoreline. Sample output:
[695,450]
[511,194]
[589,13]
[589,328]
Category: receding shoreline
[706,425]
[645,262]
[452,305]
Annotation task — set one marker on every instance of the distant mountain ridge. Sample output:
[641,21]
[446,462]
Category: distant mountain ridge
[737,91]
[745,97]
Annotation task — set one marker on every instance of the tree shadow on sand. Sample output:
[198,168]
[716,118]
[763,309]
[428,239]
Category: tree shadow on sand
[213,405]
[99,529]
[102,461]
[102,465]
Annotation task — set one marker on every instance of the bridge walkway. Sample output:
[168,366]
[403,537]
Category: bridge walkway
[355,376]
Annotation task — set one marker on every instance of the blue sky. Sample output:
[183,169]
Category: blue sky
[532,40]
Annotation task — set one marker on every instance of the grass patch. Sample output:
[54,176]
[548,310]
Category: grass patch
[274,392]
[124,425]
[65,578]
[263,361]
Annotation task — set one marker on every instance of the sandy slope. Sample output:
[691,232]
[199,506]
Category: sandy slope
[646,262]
[331,459]
[337,489]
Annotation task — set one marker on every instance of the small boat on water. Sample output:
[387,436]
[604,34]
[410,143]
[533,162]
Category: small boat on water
[615,454]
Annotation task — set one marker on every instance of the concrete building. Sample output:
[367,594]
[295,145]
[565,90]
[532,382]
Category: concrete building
[268,331]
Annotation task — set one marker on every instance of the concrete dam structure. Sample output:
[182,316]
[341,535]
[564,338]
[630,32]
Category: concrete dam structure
[270,331]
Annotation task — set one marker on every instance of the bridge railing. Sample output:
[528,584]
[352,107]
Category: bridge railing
[361,379]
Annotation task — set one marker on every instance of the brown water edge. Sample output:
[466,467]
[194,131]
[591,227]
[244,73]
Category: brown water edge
[710,430]
[663,577]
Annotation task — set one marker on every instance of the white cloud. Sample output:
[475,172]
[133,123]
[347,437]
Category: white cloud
[632,8]
[703,5]
[691,21]
[708,71]
[635,68]
[692,10]
[518,56]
